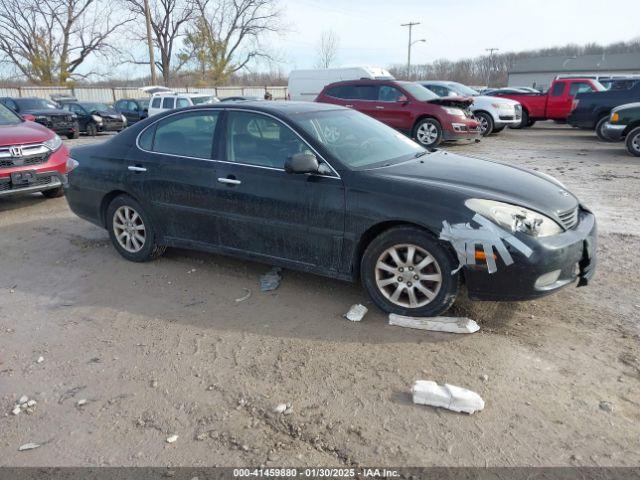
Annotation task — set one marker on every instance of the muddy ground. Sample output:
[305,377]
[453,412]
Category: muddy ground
[163,348]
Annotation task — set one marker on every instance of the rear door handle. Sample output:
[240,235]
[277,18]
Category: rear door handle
[229,181]
[379,107]
[136,169]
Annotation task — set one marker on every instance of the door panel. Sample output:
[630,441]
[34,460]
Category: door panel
[558,101]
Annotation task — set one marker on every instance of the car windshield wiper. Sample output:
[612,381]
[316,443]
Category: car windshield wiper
[420,154]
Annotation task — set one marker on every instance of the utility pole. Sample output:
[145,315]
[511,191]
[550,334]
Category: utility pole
[410,25]
[152,62]
[490,50]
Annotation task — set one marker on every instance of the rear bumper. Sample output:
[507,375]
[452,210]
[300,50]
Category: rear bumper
[570,255]
[44,181]
[613,132]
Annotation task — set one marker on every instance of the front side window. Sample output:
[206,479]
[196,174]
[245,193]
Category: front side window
[579,87]
[389,94]
[256,139]
[188,134]
[168,102]
[357,140]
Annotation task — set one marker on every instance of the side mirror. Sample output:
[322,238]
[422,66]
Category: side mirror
[301,163]
[28,117]
[402,99]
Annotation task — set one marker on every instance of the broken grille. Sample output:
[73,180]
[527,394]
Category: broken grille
[569,219]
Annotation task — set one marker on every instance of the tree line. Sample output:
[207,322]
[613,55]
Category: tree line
[52,42]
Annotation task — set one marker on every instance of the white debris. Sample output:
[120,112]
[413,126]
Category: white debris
[16,410]
[356,313]
[426,392]
[435,324]
[81,402]
[282,407]
[245,296]
[172,438]
[40,360]
[31,403]
[23,399]
[28,446]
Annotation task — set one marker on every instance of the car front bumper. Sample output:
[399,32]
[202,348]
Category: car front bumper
[570,255]
[613,132]
[42,181]
[462,132]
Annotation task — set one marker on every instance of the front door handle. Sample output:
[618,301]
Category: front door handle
[379,107]
[136,169]
[349,106]
[229,181]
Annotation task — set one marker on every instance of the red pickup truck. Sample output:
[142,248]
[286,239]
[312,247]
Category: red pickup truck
[555,104]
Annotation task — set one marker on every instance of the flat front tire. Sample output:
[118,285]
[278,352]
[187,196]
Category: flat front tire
[633,142]
[428,132]
[131,230]
[406,271]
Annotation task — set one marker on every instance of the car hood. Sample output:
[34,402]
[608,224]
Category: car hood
[48,112]
[480,178]
[459,102]
[487,100]
[23,133]
[626,106]
[107,114]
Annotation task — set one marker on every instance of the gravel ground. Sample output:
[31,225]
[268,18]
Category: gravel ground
[163,349]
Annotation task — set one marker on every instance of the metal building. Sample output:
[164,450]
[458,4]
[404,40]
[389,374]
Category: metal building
[538,72]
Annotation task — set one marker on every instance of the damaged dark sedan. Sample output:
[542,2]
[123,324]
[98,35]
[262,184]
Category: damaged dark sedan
[328,190]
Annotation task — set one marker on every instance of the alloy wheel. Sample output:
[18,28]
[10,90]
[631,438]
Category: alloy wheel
[484,123]
[635,143]
[408,275]
[427,133]
[129,229]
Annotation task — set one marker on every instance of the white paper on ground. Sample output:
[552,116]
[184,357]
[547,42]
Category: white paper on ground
[458,399]
[435,324]
[356,313]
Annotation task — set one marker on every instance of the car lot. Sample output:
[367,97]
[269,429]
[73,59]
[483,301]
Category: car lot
[164,348]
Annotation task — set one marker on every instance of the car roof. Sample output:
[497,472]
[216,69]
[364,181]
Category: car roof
[278,108]
[369,81]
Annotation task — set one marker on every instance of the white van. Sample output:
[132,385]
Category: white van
[307,84]
[168,101]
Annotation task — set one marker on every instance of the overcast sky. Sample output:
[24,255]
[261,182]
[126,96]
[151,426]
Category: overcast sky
[370,31]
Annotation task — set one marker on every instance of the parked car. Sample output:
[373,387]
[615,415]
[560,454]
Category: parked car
[168,101]
[46,113]
[307,84]
[591,110]
[32,157]
[624,124]
[133,109]
[96,117]
[493,114]
[624,83]
[508,90]
[409,108]
[328,190]
[555,104]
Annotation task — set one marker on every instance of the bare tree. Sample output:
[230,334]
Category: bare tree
[47,41]
[328,49]
[169,19]
[226,35]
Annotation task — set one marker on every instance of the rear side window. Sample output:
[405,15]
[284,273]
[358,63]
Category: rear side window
[156,102]
[366,92]
[558,89]
[354,92]
[168,102]
[343,91]
[188,134]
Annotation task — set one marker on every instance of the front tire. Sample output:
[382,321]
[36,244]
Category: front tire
[486,123]
[633,142]
[131,230]
[92,130]
[600,130]
[499,129]
[524,121]
[428,132]
[53,193]
[405,271]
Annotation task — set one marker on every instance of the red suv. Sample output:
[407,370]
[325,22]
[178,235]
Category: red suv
[408,107]
[32,157]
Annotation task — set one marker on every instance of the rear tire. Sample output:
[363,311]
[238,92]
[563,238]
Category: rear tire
[633,142]
[428,132]
[74,135]
[131,230]
[53,193]
[600,129]
[416,284]
[486,123]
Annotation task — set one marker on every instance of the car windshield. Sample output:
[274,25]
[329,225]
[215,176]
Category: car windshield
[92,107]
[143,104]
[598,86]
[34,104]
[357,140]
[201,100]
[419,92]
[463,90]
[7,117]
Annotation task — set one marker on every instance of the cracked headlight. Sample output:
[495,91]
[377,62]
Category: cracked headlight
[514,218]
[456,112]
[53,144]
[97,119]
